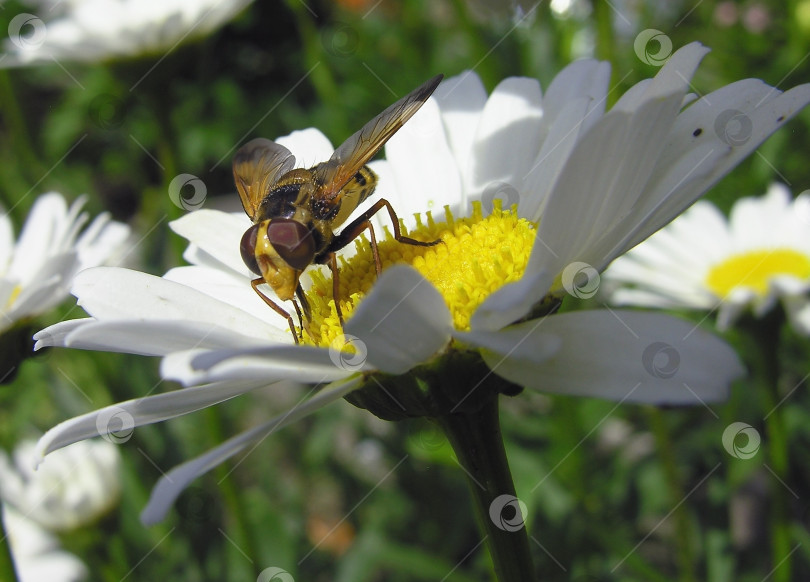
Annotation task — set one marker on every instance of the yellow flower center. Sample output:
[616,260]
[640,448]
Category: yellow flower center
[477,256]
[755,269]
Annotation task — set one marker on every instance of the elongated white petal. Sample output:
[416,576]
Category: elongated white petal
[508,135]
[461,100]
[626,356]
[173,483]
[55,334]
[234,290]
[403,322]
[155,337]
[114,293]
[420,149]
[301,363]
[216,233]
[119,419]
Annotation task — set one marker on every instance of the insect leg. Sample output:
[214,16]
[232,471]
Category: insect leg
[335,286]
[352,230]
[255,284]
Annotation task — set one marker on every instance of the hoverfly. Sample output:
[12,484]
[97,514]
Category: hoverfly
[295,210]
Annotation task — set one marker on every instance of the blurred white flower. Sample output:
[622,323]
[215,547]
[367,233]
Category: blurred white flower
[69,489]
[758,256]
[588,184]
[36,552]
[97,30]
[37,271]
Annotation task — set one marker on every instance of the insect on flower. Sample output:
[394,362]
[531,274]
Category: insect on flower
[295,210]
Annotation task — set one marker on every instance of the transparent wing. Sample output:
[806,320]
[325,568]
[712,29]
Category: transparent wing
[361,147]
[258,165]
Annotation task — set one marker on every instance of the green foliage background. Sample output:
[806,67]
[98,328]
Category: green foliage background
[638,509]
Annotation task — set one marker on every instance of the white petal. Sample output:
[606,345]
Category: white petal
[461,100]
[235,290]
[45,223]
[309,146]
[766,110]
[56,334]
[173,483]
[115,293]
[627,356]
[508,135]
[216,233]
[511,302]
[422,164]
[403,322]
[154,338]
[118,420]
[301,363]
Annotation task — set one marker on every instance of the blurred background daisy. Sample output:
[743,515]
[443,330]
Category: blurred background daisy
[756,258]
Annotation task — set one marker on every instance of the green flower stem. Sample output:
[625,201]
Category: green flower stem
[666,454]
[476,439]
[6,563]
[238,522]
[763,337]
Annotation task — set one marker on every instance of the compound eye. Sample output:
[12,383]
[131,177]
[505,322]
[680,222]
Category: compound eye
[247,246]
[292,241]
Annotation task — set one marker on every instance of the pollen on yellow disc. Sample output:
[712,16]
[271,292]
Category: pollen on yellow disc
[477,255]
[755,269]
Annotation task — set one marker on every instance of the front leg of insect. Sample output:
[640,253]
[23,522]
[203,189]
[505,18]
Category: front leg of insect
[352,231]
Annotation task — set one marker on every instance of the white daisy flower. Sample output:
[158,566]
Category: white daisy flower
[480,303]
[37,270]
[755,258]
[71,488]
[37,553]
[98,30]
